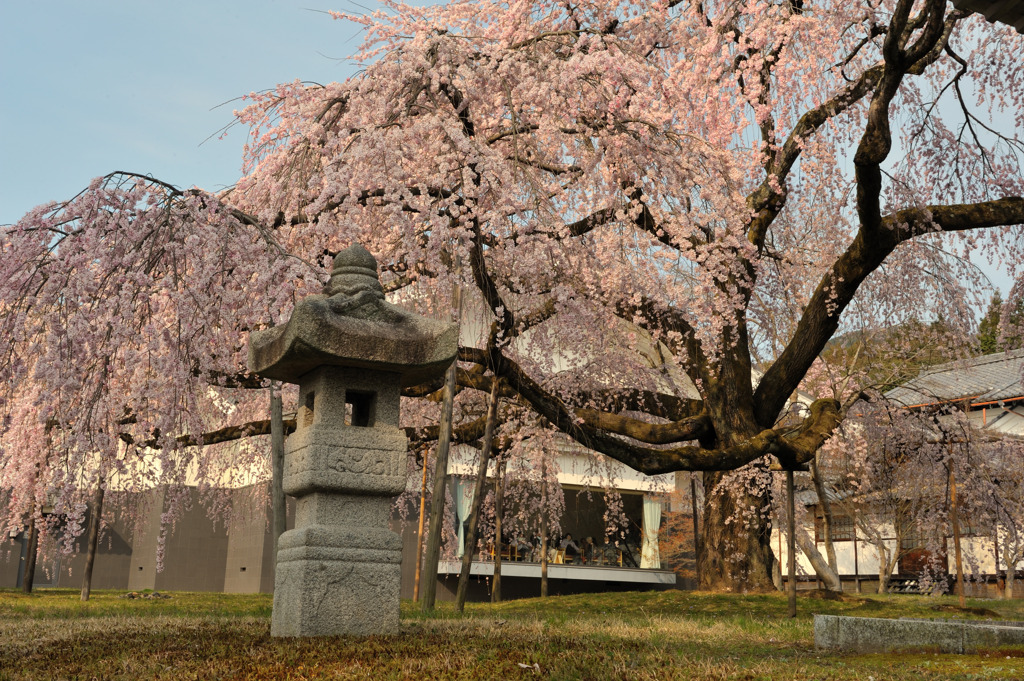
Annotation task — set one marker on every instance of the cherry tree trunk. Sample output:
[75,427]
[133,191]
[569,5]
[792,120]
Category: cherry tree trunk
[885,566]
[736,553]
[824,571]
[93,541]
[826,515]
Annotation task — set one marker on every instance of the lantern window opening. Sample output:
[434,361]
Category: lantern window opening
[359,408]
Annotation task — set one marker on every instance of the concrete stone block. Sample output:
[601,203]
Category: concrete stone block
[870,634]
[348,459]
[826,632]
[321,597]
[988,636]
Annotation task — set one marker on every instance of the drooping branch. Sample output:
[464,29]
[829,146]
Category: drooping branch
[666,322]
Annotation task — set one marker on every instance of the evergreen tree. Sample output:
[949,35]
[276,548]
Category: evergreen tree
[997,335]
[988,328]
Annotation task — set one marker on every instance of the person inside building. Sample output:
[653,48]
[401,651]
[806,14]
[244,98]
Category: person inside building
[587,550]
[571,548]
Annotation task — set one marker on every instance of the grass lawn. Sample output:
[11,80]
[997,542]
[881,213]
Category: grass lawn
[652,635]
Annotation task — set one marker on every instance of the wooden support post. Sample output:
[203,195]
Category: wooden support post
[92,540]
[30,555]
[428,589]
[478,494]
[499,510]
[791,548]
[279,509]
[954,517]
[856,564]
[696,528]
[444,439]
[543,531]
[995,543]
[419,531]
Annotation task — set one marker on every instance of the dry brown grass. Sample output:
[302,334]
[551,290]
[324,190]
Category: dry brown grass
[667,635]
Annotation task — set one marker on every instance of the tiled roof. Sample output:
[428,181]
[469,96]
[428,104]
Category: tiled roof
[1006,11]
[981,379]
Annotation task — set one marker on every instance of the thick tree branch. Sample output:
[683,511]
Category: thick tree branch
[226,434]
[767,201]
[837,287]
[646,459]
[691,428]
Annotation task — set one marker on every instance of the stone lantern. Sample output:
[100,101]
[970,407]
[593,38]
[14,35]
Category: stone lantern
[350,352]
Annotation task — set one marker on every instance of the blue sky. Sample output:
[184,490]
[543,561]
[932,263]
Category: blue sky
[92,87]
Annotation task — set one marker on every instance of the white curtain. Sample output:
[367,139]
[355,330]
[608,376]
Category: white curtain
[650,557]
[462,493]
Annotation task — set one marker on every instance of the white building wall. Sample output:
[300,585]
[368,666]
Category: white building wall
[978,555]
[867,555]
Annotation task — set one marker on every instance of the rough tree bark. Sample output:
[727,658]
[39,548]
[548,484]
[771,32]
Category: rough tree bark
[736,553]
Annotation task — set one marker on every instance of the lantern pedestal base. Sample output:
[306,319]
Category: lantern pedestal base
[333,581]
